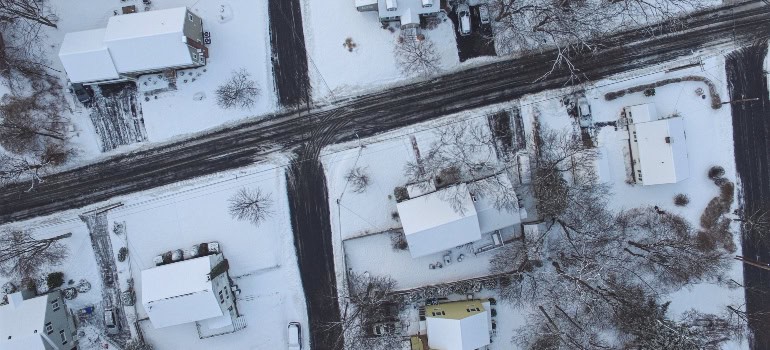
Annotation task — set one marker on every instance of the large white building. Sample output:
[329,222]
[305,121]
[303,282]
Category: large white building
[195,290]
[134,44]
[658,146]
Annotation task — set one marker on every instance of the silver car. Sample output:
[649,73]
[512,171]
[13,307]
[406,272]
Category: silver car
[464,18]
[295,336]
[110,321]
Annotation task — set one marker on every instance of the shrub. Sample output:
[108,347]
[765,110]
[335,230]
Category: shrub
[401,194]
[681,200]
[358,178]
[122,254]
[398,240]
[727,193]
[712,213]
[55,280]
[716,172]
[720,181]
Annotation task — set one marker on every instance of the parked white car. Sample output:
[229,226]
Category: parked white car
[295,336]
[464,18]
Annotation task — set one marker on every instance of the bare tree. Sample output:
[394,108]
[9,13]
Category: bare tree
[416,57]
[25,124]
[30,10]
[366,302]
[31,168]
[239,91]
[465,152]
[22,256]
[358,178]
[251,205]
[574,28]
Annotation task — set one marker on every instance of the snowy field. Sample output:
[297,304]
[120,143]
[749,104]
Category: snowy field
[335,71]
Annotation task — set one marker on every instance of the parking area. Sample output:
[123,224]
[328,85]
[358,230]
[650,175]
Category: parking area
[478,42]
[117,115]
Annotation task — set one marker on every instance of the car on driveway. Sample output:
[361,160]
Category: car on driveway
[110,321]
[464,18]
[484,14]
[295,336]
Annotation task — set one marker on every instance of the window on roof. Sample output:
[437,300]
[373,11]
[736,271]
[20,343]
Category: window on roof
[226,293]
[221,297]
[189,17]
[48,328]
[63,337]
[55,304]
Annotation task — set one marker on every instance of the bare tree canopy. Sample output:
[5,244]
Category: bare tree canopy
[358,179]
[574,27]
[251,205]
[366,302]
[23,256]
[416,57]
[239,91]
[465,152]
[29,10]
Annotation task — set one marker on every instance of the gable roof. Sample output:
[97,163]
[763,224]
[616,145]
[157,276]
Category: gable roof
[662,149]
[86,58]
[148,40]
[180,292]
[22,323]
[431,224]
[458,329]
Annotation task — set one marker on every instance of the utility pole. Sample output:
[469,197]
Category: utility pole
[755,263]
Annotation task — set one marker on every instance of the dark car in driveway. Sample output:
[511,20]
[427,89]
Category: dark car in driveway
[83,93]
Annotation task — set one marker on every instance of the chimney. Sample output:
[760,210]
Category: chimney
[668,139]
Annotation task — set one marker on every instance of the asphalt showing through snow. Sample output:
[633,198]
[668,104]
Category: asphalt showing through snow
[244,144]
[747,79]
[289,58]
[307,131]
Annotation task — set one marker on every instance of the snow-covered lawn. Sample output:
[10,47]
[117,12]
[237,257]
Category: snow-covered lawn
[327,24]
[239,39]
[262,259]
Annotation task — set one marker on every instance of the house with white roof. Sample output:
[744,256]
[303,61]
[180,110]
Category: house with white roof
[658,146]
[134,44]
[37,323]
[407,12]
[194,290]
[459,325]
[439,220]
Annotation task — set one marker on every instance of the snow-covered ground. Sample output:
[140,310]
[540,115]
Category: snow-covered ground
[239,31]
[709,142]
[337,71]
[262,258]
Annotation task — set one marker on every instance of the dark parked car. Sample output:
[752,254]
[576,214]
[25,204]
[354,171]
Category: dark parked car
[84,93]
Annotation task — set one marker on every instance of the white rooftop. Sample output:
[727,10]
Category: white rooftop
[148,40]
[642,113]
[662,149]
[468,333]
[86,58]
[431,224]
[180,292]
[22,323]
